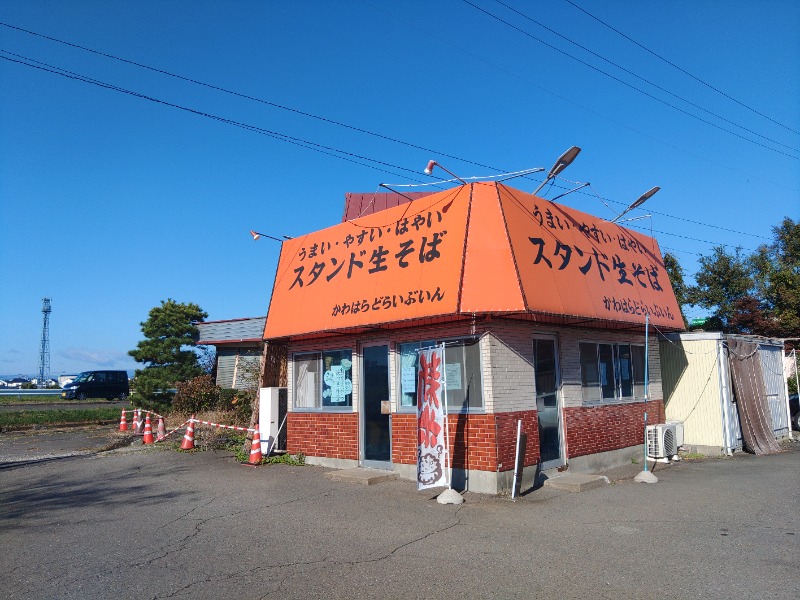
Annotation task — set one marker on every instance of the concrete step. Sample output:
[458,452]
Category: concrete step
[576,482]
[361,476]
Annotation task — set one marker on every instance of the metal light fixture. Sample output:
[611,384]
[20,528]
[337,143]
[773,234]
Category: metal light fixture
[562,163]
[433,163]
[638,202]
[383,185]
[256,235]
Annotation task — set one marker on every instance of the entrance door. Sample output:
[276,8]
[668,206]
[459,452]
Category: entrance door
[376,430]
[545,364]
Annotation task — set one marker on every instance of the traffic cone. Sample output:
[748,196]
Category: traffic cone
[162,432]
[255,448]
[123,422]
[188,437]
[148,431]
[137,421]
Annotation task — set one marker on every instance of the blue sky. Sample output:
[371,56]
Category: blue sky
[111,203]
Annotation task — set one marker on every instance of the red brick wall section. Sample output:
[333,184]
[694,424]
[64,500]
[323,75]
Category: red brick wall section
[483,442]
[328,435]
[404,438]
[506,427]
[592,429]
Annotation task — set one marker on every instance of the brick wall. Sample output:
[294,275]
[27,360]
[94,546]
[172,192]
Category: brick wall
[328,435]
[593,429]
[483,442]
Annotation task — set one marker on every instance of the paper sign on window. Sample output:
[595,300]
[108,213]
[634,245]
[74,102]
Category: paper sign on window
[340,386]
[408,381]
[453,376]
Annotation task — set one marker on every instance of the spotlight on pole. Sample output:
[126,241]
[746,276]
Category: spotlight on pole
[638,202]
[433,163]
[256,235]
[562,163]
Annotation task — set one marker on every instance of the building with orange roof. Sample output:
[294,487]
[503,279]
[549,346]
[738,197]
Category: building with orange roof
[541,309]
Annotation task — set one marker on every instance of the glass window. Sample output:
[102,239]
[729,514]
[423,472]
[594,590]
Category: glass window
[306,380]
[409,367]
[337,378]
[611,371]
[638,370]
[462,370]
[323,379]
[624,371]
[607,378]
[590,374]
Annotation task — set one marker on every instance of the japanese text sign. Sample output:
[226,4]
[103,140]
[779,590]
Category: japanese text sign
[400,263]
[572,263]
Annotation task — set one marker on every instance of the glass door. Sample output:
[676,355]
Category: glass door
[376,430]
[545,364]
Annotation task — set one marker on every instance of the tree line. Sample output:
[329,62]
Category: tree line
[757,293]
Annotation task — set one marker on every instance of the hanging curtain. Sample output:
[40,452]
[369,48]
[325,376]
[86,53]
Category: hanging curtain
[751,397]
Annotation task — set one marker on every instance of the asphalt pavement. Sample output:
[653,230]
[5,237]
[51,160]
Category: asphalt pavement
[144,522]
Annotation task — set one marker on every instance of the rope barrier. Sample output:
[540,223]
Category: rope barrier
[166,435]
[248,430]
[143,411]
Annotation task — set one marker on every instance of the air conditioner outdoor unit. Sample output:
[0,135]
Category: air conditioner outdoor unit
[678,432]
[661,440]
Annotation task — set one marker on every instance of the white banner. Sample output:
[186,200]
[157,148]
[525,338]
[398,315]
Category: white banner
[431,420]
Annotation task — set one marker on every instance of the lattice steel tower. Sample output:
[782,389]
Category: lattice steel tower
[44,349]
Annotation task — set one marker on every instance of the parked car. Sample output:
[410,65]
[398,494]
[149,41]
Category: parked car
[98,384]
[794,410]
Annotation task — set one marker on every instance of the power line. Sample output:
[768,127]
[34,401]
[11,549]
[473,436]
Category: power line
[349,156]
[655,212]
[328,150]
[312,145]
[372,133]
[625,83]
[629,72]
[248,97]
[571,101]
[684,71]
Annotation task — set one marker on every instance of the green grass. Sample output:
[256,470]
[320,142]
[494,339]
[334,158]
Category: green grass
[58,416]
[10,399]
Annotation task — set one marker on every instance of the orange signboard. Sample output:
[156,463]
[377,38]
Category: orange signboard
[478,248]
[575,264]
[401,263]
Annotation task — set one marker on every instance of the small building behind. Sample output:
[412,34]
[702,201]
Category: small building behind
[238,345]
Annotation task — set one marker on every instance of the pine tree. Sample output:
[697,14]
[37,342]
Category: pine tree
[170,333]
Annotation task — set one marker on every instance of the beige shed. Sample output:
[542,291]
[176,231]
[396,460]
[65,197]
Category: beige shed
[699,390]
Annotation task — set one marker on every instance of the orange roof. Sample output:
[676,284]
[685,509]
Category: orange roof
[478,248]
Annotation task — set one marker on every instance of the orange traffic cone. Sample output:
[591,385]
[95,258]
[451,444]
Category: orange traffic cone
[255,448]
[148,431]
[123,422]
[137,422]
[162,432]
[188,437]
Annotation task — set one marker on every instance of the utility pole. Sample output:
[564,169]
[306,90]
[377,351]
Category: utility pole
[44,348]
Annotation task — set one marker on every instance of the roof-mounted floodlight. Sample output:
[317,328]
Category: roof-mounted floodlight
[562,163]
[433,163]
[638,202]
[257,235]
